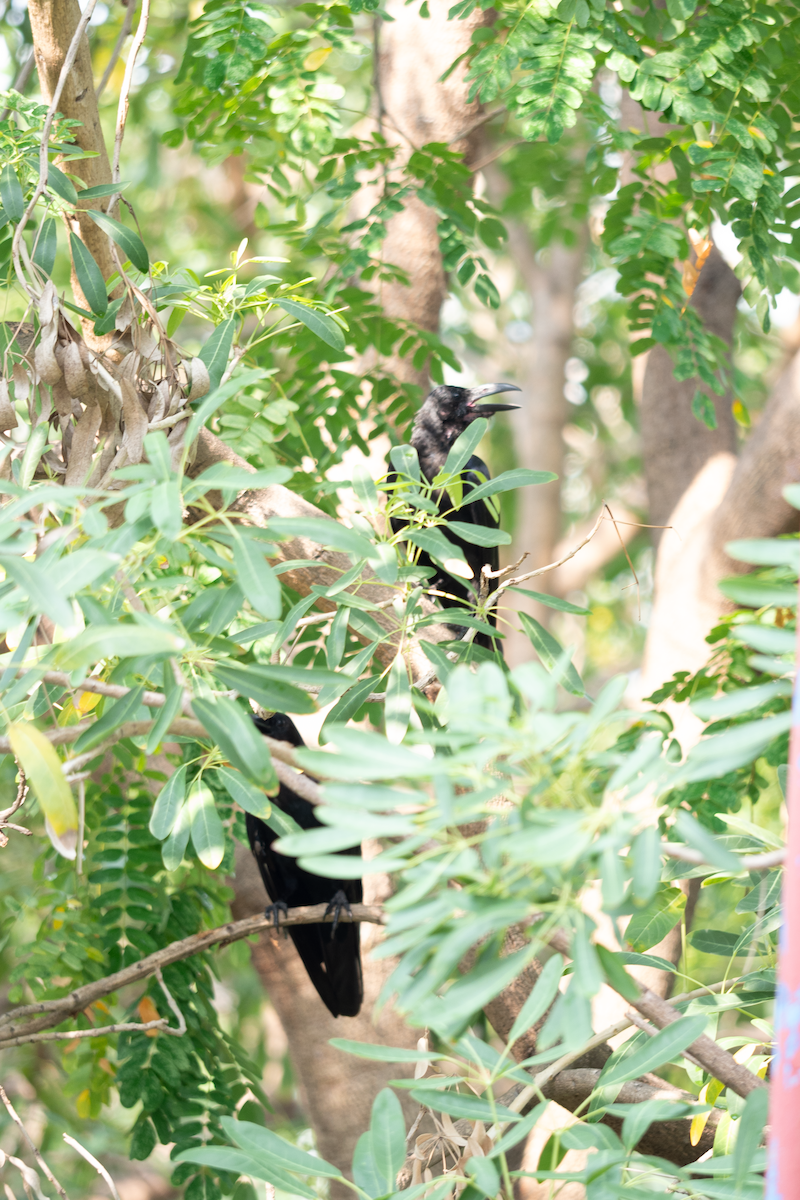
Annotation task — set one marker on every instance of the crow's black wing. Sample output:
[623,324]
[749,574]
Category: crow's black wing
[333,962]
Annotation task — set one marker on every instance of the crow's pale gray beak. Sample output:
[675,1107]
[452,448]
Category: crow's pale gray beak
[491,389]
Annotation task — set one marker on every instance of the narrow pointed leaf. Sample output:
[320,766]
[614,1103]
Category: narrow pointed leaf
[89,276]
[126,239]
[319,323]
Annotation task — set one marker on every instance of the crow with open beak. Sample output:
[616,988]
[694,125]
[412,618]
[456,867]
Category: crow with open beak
[446,413]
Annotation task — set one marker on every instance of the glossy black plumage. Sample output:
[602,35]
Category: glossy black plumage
[444,416]
[331,957]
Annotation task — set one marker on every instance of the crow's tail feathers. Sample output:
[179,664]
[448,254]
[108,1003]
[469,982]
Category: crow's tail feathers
[333,965]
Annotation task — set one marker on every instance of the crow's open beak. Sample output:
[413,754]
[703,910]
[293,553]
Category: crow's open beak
[477,394]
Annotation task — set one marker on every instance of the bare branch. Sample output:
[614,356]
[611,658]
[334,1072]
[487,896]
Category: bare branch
[15,1118]
[98,1166]
[749,862]
[124,95]
[115,53]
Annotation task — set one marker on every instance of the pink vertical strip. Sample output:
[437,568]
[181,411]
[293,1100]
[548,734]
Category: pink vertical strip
[783,1172]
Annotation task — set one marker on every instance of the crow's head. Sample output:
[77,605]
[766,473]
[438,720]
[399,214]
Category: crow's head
[278,726]
[445,415]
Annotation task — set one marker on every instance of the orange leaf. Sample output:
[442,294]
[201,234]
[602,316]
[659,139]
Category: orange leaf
[148,1012]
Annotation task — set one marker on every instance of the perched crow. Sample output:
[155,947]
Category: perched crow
[330,953]
[445,415]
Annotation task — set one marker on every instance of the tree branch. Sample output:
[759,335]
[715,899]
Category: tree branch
[55,1011]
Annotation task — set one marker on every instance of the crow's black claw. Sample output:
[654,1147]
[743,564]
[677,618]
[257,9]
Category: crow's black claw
[273,911]
[336,904]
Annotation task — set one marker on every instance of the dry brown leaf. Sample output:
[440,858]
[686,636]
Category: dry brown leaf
[159,403]
[82,449]
[135,419]
[44,356]
[201,381]
[62,399]
[69,357]
[8,416]
[125,314]
[48,304]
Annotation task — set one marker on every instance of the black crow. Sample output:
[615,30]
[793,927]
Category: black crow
[444,416]
[330,953]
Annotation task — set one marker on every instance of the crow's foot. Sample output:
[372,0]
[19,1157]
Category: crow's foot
[336,905]
[273,912]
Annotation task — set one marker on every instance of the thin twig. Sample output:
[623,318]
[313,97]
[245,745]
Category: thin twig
[124,95]
[115,53]
[171,1002]
[90,1158]
[44,148]
[15,1118]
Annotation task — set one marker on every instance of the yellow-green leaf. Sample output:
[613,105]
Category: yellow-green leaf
[42,768]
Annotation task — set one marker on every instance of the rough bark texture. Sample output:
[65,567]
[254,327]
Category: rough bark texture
[53,24]
[675,444]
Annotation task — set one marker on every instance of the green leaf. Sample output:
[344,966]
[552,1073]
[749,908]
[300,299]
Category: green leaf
[434,542]
[44,254]
[325,532]
[173,700]
[553,602]
[112,641]
[758,593]
[126,239]
[40,587]
[767,552]
[272,694]
[168,804]
[741,700]
[226,1158]
[485,1175]
[325,328]
[509,481]
[103,189]
[632,959]
[247,796]
[616,975]
[552,654]
[208,836]
[61,184]
[89,276]
[210,403]
[710,847]
[457,1105]
[349,704]
[714,941]
[652,924]
[11,193]
[751,1130]
[479,535]
[113,716]
[464,447]
[646,855]
[405,461]
[397,709]
[540,999]
[257,1140]
[238,738]
[388,1136]
[667,1044]
[216,350]
[174,848]
[255,577]
[379,1053]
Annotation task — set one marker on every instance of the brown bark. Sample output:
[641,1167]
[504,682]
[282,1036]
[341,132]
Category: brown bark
[675,444]
[53,24]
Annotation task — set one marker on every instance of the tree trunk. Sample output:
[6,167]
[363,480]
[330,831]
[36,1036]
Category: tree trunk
[53,25]
[551,278]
